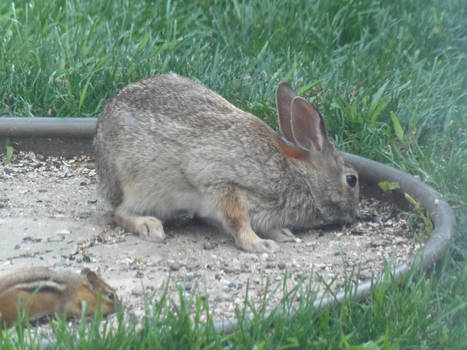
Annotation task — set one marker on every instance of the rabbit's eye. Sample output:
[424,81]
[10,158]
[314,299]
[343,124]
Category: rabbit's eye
[351,180]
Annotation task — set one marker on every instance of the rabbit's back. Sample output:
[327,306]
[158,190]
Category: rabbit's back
[171,107]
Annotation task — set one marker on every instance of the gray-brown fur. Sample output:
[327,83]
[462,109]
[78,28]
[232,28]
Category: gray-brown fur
[166,145]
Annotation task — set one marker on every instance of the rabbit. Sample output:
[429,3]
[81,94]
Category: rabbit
[167,145]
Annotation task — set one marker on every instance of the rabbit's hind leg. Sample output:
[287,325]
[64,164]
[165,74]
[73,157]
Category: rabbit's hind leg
[147,227]
[237,221]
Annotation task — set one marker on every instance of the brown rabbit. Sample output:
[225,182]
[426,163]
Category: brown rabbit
[168,145]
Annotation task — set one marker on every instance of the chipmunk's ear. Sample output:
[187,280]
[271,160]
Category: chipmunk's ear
[91,277]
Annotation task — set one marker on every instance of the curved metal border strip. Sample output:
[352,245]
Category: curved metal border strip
[47,127]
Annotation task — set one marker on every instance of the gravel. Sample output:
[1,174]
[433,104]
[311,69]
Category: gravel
[52,215]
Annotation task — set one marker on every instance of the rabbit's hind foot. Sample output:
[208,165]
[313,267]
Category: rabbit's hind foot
[250,242]
[148,228]
[237,220]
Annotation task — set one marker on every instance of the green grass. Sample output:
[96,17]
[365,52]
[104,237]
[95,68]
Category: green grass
[390,78]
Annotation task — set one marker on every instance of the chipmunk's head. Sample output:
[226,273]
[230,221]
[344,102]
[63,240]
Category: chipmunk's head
[93,290]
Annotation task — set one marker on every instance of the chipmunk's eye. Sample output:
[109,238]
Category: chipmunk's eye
[351,180]
[111,296]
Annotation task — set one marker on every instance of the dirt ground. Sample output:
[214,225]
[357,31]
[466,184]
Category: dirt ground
[51,215]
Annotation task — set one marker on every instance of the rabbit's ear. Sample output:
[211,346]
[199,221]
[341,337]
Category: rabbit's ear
[308,129]
[284,97]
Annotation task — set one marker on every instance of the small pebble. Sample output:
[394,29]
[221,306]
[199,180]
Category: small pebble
[174,266]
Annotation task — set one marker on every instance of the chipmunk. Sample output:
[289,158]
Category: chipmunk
[42,292]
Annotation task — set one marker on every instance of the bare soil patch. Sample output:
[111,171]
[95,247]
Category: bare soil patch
[51,215]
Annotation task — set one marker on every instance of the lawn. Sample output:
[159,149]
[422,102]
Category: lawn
[389,76]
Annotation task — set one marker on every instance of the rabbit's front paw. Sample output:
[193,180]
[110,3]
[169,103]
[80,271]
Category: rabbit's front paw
[149,228]
[283,235]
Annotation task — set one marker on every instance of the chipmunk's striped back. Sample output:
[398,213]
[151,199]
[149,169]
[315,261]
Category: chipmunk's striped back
[41,292]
